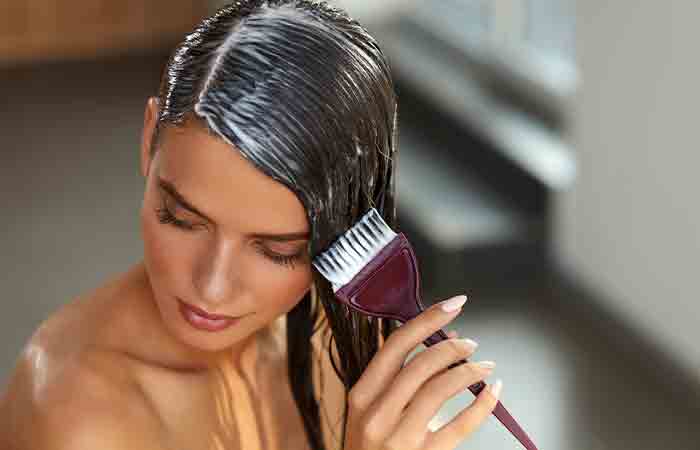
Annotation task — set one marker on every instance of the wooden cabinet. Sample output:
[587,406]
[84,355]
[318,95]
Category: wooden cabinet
[32,30]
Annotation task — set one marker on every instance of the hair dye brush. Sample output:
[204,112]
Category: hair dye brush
[374,270]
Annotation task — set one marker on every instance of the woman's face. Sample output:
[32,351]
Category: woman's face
[216,235]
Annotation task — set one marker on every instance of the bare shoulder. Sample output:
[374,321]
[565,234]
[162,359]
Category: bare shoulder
[90,411]
[75,403]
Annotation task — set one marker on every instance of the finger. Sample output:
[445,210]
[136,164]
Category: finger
[412,378]
[433,394]
[388,361]
[452,334]
[466,422]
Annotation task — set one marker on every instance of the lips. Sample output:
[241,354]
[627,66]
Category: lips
[201,320]
[203,313]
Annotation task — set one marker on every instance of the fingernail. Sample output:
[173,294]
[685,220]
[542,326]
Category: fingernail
[454,303]
[495,388]
[468,343]
[486,364]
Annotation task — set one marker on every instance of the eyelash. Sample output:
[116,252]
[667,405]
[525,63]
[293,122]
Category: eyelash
[165,216]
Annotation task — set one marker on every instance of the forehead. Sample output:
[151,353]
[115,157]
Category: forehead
[219,181]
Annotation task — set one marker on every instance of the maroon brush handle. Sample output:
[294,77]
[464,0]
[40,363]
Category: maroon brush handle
[389,287]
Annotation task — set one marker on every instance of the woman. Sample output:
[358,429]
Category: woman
[273,131]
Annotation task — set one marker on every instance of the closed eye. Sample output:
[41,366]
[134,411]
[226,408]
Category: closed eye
[165,216]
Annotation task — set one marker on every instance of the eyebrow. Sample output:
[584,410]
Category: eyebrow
[169,187]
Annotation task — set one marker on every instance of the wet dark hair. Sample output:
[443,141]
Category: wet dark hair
[304,92]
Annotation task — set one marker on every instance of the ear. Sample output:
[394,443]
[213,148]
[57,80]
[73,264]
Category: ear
[150,119]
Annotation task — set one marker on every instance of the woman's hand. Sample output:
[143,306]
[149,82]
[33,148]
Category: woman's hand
[391,405]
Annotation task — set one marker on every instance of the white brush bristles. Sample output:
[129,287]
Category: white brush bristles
[352,251]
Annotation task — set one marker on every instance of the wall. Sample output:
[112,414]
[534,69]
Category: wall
[629,229]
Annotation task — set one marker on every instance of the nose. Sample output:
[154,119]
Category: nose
[217,276]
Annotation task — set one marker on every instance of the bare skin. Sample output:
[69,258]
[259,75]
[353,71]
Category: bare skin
[120,368]
[121,365]
[391,406]
[169,405]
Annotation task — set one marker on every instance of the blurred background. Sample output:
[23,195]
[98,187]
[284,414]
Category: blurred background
[546,170]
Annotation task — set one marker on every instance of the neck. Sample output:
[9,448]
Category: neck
[140,332]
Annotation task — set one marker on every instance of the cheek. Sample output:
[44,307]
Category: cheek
[169,258]
[280,286]
[164,255]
